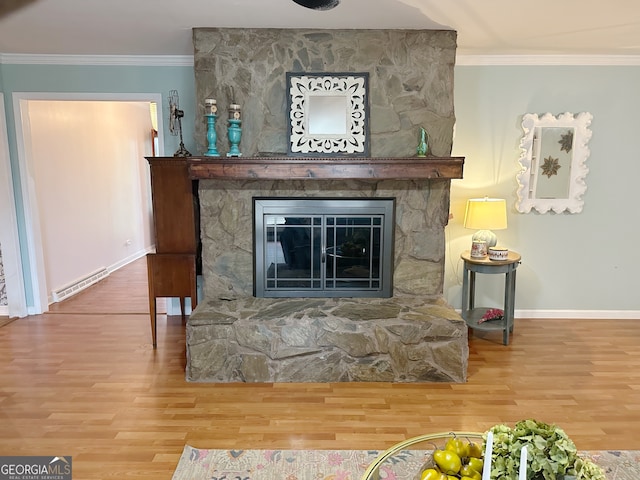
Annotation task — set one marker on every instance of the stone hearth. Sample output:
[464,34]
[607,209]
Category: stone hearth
[413,336]
[404,339]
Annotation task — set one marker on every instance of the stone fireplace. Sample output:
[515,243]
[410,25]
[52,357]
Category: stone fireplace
[413,336]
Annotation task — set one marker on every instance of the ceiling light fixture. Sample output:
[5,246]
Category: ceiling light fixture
[318,4]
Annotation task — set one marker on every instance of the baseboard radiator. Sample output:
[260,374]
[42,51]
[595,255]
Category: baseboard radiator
[79,285]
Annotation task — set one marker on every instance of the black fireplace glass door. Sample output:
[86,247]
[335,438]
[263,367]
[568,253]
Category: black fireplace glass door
[323,247]
[294,256]
[353,252]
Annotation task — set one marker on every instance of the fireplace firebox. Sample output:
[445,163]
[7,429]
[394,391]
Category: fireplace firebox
[329,247]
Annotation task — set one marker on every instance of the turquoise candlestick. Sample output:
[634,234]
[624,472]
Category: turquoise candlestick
[212,137]
[235,134]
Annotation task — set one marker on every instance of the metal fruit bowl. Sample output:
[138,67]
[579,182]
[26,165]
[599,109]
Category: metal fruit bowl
[422,442]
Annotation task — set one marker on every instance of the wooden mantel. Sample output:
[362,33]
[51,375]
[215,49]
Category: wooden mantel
[324,168]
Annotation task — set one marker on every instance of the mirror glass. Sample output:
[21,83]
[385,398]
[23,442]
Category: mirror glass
[327,114]
[553,162]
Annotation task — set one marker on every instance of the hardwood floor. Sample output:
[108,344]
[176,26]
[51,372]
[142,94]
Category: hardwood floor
[83,380]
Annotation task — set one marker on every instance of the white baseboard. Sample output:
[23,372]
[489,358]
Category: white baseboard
[92,278]
[577,314]
[4,310]
[131,258]
[173,306]
[580,314]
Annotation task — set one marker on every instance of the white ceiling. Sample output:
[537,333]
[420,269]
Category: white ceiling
[163,27]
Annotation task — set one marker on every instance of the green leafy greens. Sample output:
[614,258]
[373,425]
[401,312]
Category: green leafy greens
[551,453]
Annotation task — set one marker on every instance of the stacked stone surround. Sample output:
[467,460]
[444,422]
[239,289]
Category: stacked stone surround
[410,82]
[414,336]
[422,210]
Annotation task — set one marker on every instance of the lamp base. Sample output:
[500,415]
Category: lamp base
[486,236]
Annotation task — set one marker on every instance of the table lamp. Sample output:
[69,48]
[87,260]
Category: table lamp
[486,214]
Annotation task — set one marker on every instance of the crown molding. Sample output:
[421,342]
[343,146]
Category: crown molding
[105,60]
[550,60]
[187,60]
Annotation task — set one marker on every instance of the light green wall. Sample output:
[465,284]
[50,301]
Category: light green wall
[104,79]
[571,262]
[92,79]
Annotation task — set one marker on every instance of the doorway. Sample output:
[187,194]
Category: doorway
[56,151]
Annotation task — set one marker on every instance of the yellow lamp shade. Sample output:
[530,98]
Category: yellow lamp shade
[486,214]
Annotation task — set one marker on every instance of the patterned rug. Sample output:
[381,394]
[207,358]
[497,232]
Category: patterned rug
[198,464]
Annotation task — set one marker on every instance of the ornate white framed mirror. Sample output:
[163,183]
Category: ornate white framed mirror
[328,114]
[554,151]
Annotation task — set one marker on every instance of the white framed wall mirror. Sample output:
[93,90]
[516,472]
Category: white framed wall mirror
[554,151]
[328,114]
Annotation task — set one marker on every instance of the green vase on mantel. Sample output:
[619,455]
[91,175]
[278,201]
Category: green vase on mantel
[423,147]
